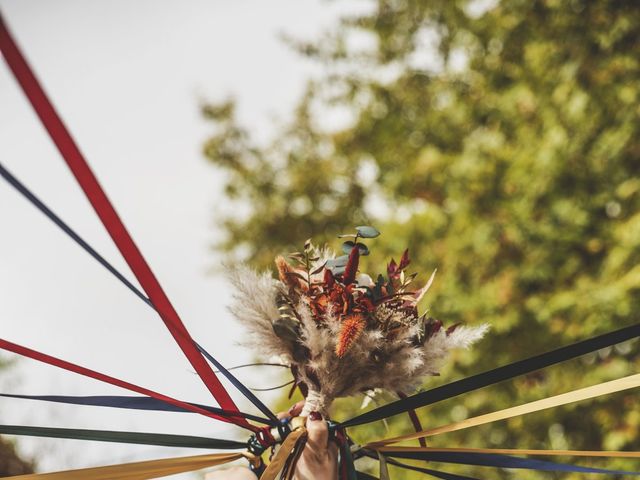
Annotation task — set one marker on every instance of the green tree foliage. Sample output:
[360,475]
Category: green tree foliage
[10,463]
[500,142]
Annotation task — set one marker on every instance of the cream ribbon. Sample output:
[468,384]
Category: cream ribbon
[605,388]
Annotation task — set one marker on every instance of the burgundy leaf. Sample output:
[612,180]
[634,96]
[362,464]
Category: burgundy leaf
[392,269]
[452,328]
[431,328]
[404,261]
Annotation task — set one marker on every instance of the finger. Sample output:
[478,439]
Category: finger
[317,432]
[294,411]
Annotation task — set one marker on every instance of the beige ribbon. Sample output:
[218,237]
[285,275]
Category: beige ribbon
[282,454]
[514,451]
[384,470]
[139,470]
[613,386]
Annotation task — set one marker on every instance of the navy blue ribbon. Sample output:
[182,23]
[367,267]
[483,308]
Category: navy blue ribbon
[365,476]
[502,461]
[22,189]
[496,375]
[428,471]
[238,384]
[132,403]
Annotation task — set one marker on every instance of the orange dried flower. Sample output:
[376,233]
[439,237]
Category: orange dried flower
[352,328]
[290,276]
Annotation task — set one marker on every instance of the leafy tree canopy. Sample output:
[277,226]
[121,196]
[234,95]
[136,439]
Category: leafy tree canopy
[10,462]
[499,141]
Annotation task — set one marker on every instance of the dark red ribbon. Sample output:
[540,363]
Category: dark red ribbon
[72,367]
[102,206]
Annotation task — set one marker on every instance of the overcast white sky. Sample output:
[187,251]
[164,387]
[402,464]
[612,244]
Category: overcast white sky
[126,77]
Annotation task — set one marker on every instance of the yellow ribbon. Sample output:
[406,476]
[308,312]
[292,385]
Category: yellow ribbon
[514,451]
[613,386]
[139,470]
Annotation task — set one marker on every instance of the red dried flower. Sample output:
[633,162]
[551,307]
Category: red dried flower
[352,266]
[329,279]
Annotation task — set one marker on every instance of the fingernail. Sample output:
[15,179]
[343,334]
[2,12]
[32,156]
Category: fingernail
[315,416]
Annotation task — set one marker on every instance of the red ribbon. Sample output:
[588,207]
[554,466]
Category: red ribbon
[72,367]
[102,206]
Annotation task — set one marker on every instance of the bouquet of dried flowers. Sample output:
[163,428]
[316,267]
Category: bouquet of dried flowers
[342,332]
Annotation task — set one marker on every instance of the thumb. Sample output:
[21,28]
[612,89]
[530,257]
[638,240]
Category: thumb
[317,432]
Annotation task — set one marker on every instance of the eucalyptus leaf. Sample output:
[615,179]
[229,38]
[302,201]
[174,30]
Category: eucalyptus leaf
[340,261]
[364,250]
[366,231]
[338,270]
[348,246]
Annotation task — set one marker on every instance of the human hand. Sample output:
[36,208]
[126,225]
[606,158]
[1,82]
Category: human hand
[319,459]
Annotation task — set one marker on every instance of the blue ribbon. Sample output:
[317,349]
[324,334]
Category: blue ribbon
[51,215]
[238,384]
[132,403]
[496,375]
[502,461]
[428,471]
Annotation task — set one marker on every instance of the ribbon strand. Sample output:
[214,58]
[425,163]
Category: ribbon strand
[138,438]
[131,403]
[496,375]
[56,362]
[110,219]
[22,189]
[139,470]
[515,451]
[502,461]
[605,388]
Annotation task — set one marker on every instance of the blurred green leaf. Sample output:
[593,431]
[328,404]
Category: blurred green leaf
[348,246]
[367,232]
